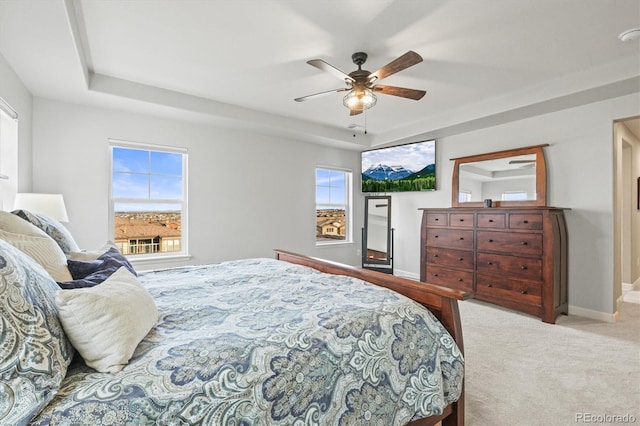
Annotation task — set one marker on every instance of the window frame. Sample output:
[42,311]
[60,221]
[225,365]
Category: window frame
[9,129]
[348,206]
[506,194]
[184,225]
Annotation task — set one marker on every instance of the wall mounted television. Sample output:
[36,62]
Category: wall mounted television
[400,168]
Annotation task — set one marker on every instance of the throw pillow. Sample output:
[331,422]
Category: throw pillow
[106,323]
[94,272]
[88,255]
[52,228]
[34,351]
[36,243]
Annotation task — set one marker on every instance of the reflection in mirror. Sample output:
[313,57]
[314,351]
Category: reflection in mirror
[515,177]
[376,234]
[506,179]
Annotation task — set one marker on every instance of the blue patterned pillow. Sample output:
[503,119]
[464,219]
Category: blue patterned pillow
[52,227]
[34,351]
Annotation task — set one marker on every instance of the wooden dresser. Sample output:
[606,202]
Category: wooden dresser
[513,257]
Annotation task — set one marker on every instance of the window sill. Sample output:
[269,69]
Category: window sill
[142,260]
[333,243]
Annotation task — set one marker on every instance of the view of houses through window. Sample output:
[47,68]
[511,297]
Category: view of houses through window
[333,196]
[147,189]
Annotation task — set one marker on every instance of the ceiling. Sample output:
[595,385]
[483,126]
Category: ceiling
[242,62]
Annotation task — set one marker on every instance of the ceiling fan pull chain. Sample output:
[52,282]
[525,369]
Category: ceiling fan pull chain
[365,121]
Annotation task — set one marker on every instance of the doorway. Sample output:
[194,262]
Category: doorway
[626,211]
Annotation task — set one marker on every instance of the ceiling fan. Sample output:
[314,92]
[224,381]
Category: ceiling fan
[361,85]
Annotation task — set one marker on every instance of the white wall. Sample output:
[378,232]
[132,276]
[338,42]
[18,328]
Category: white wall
[580,177]
[247,193]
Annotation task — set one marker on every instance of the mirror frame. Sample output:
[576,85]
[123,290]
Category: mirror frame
[541,177]
[365,261]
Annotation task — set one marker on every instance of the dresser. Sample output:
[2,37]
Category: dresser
[512,257]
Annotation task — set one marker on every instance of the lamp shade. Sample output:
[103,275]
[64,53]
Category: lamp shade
[51,205]
[359,99]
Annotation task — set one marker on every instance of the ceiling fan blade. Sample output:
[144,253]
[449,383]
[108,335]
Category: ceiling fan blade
[322,65]
[355,111]
[521,161]
[304,98]
[399,91]
[405,61]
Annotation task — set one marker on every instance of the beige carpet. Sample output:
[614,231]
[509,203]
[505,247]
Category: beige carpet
[521,371]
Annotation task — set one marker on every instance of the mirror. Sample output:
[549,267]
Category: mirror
[516,177]
[376,234]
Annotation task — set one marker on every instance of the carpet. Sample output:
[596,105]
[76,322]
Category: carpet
[521,371]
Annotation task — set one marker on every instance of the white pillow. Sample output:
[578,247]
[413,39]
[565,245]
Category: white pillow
[106,323]
[33,241]
[89,255]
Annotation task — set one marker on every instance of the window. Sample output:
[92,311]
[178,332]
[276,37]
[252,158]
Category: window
[148,198]
[464,196]
[333,200]
[514,196]
[8,155]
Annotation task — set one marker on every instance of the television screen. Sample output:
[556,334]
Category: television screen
[409,167]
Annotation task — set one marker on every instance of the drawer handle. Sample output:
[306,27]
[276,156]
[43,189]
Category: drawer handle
[460,280]
[436,236]
[461,259]
[435,255]
[524,268]
[436,219]
[524,291]
[461,238]
[524,243]
[525,221]
[490,241]
[461,220]
[489,263]
[489,285]
[435,275]
[490,220]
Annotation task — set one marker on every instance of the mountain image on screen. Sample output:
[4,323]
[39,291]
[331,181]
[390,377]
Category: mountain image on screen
[384,172]
[384,178]
[399,168]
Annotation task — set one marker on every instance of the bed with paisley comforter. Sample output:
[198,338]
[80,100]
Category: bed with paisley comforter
[246,342]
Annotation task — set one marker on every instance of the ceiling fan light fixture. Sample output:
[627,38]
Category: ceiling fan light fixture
[360,99]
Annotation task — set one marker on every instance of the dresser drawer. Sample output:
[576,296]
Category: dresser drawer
[525,221]
[521,291]
[510,242]
[449,257]
[461,220]
[492,220]
[513,266]
[437,219]
[451,278]
[453,238]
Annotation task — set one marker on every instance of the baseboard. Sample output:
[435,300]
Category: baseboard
[406,274]
[596,315]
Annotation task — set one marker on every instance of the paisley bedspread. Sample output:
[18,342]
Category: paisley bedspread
[265,342]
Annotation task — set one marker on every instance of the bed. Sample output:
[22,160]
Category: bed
[286,341]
